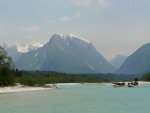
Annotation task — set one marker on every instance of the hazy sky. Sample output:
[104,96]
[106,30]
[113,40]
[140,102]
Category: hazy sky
[113,26]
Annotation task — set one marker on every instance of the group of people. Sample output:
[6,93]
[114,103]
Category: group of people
[135,83]
[122,84]
[119,84]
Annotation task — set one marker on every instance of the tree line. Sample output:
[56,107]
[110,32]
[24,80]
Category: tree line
[32,78]
[146,77]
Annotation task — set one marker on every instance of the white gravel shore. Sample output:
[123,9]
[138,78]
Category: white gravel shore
[143,82]
[21,88]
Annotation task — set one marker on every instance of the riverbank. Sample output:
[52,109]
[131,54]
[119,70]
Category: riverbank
[144,82]
[110,84]
[22,88]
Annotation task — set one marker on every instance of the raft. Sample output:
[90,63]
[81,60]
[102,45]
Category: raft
[130,85]
[116,85]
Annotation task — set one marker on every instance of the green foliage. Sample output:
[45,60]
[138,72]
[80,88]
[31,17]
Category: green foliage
[40,78]
[6,69]
[34,78]
[146,77]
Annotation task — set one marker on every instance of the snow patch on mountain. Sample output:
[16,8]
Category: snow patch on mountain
[7,45]
[90,65]
[23,48]
[36,54]
[71,36]
[35,46]
[74,36]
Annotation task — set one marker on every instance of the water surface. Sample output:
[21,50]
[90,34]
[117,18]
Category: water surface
[78,99]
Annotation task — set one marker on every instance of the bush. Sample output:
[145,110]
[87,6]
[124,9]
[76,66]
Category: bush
[146,77]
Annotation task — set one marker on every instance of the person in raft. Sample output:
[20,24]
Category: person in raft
[135,83]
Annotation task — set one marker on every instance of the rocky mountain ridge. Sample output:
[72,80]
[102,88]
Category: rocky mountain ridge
[138,62]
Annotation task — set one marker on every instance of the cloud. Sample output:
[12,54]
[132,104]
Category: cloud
[64,19]
[33,28]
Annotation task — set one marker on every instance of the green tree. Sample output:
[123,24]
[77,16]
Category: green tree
[6,69]
[146,77]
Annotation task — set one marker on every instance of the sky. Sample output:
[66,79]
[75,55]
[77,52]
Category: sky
[112,26]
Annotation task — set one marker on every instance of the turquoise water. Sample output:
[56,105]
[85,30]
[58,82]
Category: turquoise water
[78,99]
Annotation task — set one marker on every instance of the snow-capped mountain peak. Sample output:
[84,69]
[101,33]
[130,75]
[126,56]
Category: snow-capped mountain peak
[74,36]
[23,48]
[37,44]
[67,54]
[7,45]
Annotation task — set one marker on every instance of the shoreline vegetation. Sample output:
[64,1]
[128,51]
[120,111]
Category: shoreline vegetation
[40,78]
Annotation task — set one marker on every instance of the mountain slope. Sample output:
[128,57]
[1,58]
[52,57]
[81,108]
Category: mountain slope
[68,54]
[15,50]
[138,62]
[118,61]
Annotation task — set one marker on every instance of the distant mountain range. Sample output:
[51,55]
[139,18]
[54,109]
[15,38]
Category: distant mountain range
[67,54]
[15,50]
[118,61]
[138,62]
[71,54]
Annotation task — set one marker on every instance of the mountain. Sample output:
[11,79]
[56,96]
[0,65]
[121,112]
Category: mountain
[67,54]
[12,50]
[117,61]
[15,50]
[138,62]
